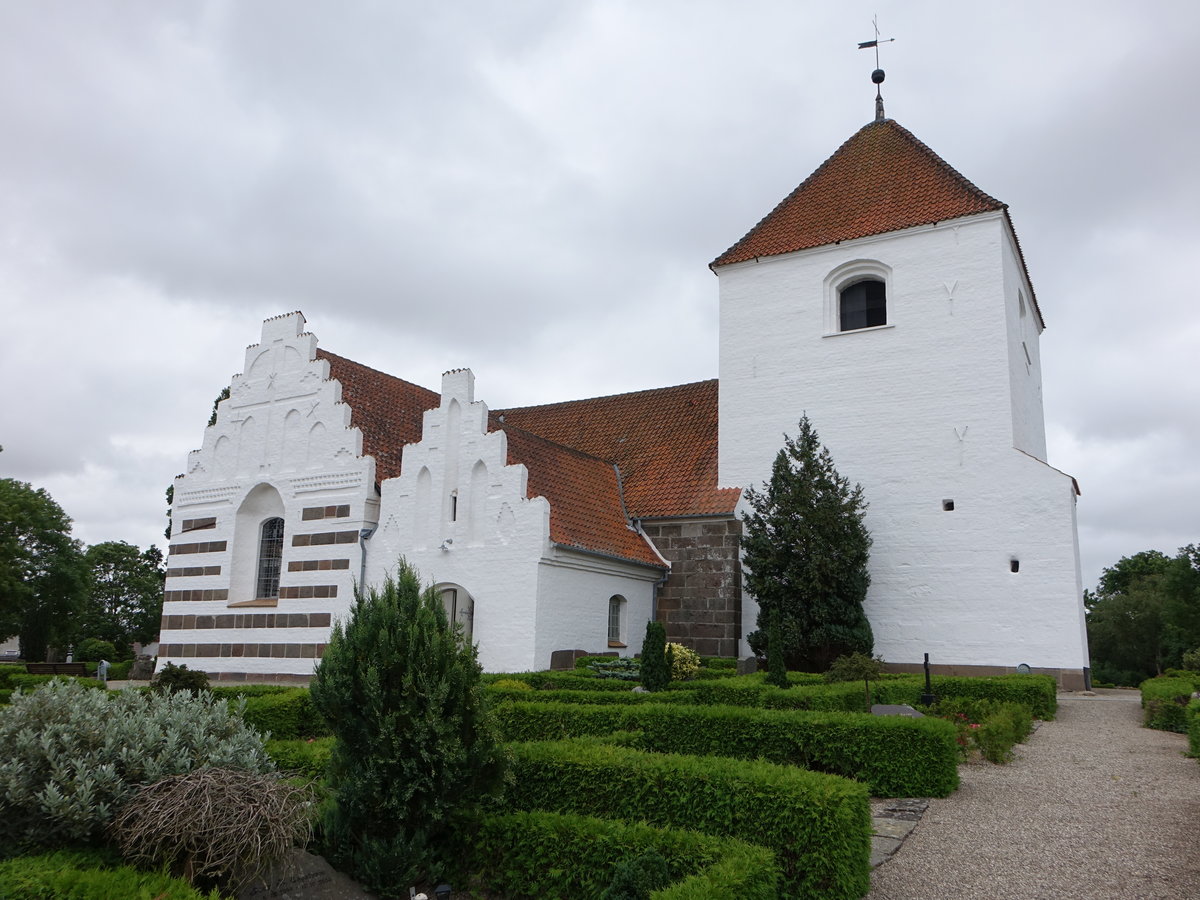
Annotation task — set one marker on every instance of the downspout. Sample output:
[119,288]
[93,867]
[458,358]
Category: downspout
[636,525]
[364,535]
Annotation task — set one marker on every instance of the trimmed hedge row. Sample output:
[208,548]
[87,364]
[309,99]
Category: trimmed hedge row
[894,755]
[560,681]
[1164,702]
[87,875]
[287,715]
[1038,692]
[19,679]
[541,854]
[306,758]
[819,826]
[1193,728]
[627,697]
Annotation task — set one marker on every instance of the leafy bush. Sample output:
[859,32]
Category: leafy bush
[1164,701]
[232,691]
[1191,660]
[285,715]
[894,755]
[223,827]
[1038,692]
[94,650]
[622,668]
[171,678]
[5,695]
[540,854]
[626,697]
[656,673]
[723,663]
[635,878]
[511,684]
[33,682]
[72,755]
[552,681]
[685,662]
[88,875]
[307,758]
[1193,728]
[415,748]
[819,826]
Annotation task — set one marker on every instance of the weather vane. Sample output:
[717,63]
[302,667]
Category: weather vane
[877,75]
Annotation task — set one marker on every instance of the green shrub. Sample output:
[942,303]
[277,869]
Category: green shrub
[636,877]
[723,663]
[1191,660]
[33,682]
[1038,692]
[119,671]
[285,715]
[626,697]
[1193,728]
[621,668]
[656,673]
[894,755]
[230,691]
[819,826]
[565,857]
[221,827]
[1009,724]
[511,684]
[5,695]
[94,650]
[72,755]
[559,681]
[1164,701]
[685,662]
[305,758]
[415,749]
[171,678]
[88,875]
[6,670]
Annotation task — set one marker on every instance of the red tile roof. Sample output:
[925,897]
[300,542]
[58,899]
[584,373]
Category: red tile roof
[585,492]
[388,410]
[586,510]
[664,442]
[882,179]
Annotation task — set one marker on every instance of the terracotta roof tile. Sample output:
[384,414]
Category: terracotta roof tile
[664,442]
[882,179]
[586,511]
[388,410]
[584,491]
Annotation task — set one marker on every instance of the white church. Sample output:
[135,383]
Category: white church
[886,297]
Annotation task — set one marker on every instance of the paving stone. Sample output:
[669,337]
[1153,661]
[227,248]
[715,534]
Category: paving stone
[893,828]
[882,848]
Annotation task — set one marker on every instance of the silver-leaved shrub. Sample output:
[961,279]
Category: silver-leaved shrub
[71,757]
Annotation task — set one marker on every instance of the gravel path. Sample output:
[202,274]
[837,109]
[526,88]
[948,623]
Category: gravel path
[1093,807]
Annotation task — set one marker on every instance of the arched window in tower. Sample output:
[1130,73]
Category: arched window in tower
[862,304]
[270,556]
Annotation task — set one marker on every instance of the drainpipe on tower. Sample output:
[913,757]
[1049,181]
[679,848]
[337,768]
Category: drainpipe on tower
[364,535]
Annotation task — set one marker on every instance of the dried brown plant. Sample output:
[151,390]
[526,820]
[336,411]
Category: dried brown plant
[214,826]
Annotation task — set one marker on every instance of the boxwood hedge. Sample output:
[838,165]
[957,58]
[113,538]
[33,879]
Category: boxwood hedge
[894,755]
[1164,702]
[552,855]
[819,826]
[287,715]
[1193,728]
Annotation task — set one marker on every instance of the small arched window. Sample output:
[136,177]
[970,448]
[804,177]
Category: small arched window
[616,621]
[862,304]
[270,557]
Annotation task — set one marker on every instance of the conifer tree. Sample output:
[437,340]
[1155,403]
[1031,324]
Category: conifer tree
[805,552]
[415,747]
[656,671]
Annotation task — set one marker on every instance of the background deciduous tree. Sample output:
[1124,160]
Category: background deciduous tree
[125,594]
[1144,615]
[805,552]
[41,570]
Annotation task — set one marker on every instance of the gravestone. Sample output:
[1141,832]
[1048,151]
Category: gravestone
[304,876]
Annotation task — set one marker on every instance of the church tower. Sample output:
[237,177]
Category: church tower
[887,298]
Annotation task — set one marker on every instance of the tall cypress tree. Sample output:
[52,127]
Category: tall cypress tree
[805,550]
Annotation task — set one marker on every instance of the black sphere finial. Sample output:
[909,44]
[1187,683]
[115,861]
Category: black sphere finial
[877,76]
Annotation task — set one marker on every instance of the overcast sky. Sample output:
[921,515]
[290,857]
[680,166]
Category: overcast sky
[535,189]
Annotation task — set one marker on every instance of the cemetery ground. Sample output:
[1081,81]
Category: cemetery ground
[1092,805]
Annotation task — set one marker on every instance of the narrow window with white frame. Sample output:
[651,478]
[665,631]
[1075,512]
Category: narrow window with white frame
[616,621]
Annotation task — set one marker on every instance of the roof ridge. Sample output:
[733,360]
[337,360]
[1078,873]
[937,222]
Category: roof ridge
[672,387]
[816,213]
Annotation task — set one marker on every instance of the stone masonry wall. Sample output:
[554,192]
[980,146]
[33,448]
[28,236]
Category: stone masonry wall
[701,603]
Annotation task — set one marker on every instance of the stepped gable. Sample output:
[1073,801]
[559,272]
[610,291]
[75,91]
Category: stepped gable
[663,441]
[388,410]
[586,510]
[882,179]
